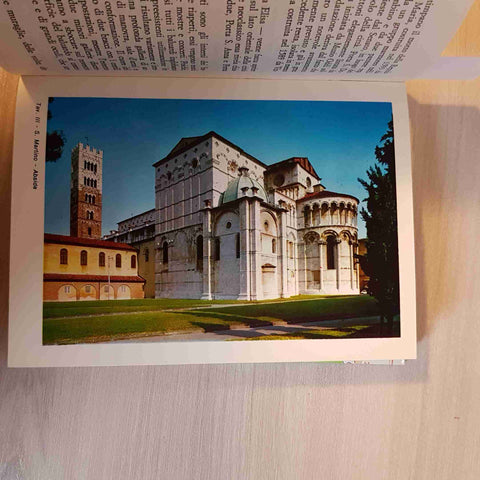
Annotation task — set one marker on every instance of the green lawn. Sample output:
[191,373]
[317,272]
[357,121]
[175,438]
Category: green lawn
[97,307]
[96,328]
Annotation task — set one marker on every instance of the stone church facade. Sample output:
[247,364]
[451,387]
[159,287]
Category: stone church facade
[228,226]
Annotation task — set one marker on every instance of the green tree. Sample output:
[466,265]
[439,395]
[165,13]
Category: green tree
[55,140]
[381,260]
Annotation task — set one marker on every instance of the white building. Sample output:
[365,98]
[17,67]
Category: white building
[227,226]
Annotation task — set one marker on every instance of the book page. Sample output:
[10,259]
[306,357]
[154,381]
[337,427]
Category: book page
[332,39]
[210,221]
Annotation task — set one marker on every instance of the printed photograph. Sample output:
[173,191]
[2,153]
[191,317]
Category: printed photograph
[173,220]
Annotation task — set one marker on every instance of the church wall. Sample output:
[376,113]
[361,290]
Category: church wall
[226,278]
[181,185]
[181,276]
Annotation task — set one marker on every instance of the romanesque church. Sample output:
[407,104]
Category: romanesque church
[227,226]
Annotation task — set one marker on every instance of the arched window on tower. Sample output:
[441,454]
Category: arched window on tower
[83,257]
[118,260]
[63,256]
[89,231]
[86,197]
[200,253]
[331,247]
[274,246]
[93,199]
[101,259]
[133,261]
[165,253]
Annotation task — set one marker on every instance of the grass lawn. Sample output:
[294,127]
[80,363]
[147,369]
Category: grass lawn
[97,307]
[146,323]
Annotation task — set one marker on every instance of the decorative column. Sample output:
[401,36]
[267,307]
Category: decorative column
[337,261]
[321,244]
[352,264]
[207,251]
[256,291]
[244,210]
[284,253]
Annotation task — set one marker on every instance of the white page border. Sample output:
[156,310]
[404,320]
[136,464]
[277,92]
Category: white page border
[27,228]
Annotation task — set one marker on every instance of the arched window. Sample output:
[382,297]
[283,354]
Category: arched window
[274,246]
[331,247]
[84,180]
[165,253]
[200,253]
[101,259]
[133,261]
[95,168]
[217,249]
[147,254]
[306,216]
[86,197]
[118,260]
[89,231]
[237,245]
[93,199]
[83,257]
[63,256]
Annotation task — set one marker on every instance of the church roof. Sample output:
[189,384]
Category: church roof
[304,162]
[87,242]
[186,143]
[326,194]
[242,186]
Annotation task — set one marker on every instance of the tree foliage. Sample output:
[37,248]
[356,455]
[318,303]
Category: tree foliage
[381,260]
[55,140]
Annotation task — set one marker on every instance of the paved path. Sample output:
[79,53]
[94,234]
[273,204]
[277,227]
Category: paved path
[241,333]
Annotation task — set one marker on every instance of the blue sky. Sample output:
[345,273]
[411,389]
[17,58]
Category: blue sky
[339,138]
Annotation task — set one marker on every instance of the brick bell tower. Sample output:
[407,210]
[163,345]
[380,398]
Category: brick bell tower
[86,192]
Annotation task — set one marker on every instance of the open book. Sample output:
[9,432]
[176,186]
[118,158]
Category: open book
[190,185]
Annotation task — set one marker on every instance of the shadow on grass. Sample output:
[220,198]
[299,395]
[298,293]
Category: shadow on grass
[225,320]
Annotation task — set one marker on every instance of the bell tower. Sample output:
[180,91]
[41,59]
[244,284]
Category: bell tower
[86,192]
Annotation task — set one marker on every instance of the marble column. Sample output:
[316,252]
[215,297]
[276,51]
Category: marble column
[207,252]
[256,292]
[244,209]
[321,247]
[283,254]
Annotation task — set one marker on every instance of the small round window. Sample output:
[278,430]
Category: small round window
[228,225]
[195,163]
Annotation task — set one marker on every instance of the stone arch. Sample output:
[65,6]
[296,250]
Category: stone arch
[67,293]
[311,237]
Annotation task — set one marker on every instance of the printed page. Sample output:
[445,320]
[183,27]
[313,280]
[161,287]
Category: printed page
[331,39]
[210,221]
